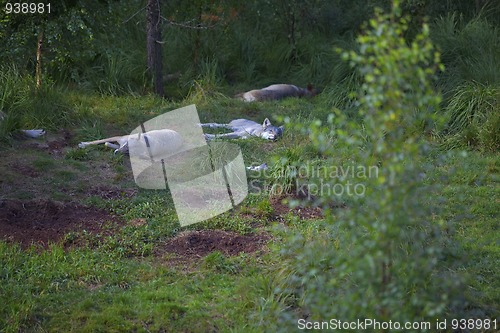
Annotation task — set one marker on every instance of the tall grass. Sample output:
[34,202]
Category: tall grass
[14,88]
[471,81]
[474,117]
[470,51]
[117,73]
[208,83]
[25,106]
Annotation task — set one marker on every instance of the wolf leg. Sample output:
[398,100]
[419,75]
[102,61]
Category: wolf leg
[233,135]
[215,125]
[96,142]
[111,145]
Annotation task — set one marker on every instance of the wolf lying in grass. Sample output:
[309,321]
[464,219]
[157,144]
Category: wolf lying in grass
[165,141]
[244,128]
[158,142]
[276,92]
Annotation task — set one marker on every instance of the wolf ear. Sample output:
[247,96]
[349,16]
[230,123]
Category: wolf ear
[266,123]
[280,130]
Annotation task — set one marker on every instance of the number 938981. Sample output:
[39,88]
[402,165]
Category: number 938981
[27,8]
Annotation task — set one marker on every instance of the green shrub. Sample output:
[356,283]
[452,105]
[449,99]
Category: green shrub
[380,257]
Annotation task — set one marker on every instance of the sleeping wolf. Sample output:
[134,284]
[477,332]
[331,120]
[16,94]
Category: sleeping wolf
[167,141]
[276,92]
[158,142]
[244,128]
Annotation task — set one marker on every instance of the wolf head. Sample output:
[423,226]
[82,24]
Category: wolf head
[270,132]
[310,91]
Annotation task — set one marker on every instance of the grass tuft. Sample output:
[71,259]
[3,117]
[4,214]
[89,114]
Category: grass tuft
[474,117]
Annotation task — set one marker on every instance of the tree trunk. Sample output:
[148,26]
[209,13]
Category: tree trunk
[197,42]
[155,67]
[38,69]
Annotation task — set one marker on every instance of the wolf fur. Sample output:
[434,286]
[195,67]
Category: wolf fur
[154,143]
[244,128]
[276,92]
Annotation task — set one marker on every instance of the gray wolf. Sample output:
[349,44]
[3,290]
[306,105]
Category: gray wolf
[276,92]
[153,143]
[244,128]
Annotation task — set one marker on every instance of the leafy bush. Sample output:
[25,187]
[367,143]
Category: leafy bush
[379,258]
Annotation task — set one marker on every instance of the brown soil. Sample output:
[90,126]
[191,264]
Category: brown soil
[281,208]
[42,222]
[200,243]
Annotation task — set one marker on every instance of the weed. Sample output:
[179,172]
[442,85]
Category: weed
[264,209]
[218,262]
[91,130]
[470,51]
[77,154]
[284,174]
[43,164]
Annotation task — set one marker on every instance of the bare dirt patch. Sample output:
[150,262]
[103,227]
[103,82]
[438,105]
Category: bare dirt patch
[197,244]
[42,222]
[281,208]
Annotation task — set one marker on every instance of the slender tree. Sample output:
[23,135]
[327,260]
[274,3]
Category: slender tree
[38,68]
[155,66]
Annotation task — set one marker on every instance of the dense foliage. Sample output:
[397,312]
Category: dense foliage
[390,272]
[229,45]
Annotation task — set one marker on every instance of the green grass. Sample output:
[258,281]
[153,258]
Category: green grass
[470,187]
[121,283]
[87,291]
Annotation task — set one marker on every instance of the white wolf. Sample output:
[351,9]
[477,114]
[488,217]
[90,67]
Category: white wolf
[158,142]
[166,141]
[276,92]
[244,128]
